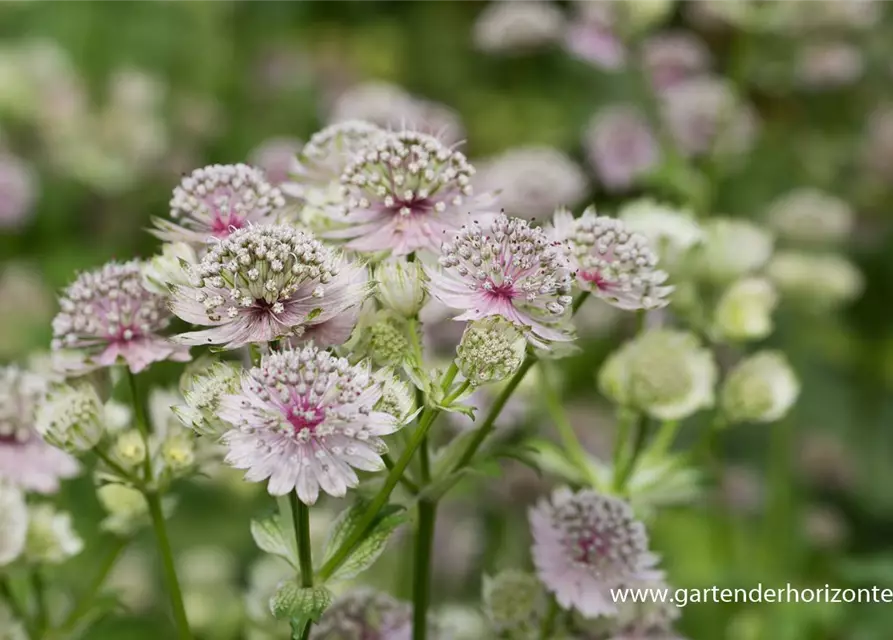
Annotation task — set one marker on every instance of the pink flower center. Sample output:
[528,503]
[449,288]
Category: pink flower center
[595,278]
[591,545]
[416,206]
[125,334]
[503,291]
[302,417]
[222,226]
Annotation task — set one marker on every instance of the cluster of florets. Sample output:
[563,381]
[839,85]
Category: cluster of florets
[507,269]
[364,614]
[612,262]
[71,417]
[203,394]
[761,388]
[491,350]
[328,151]
[108,313]
[264,283]
[216,200]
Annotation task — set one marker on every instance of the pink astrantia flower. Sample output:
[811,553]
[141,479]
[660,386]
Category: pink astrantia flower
[620,146]
[107,315]
[18,190]
[365,614]
[507,269]
[265,283]
[26,461]
[593,37]
[674,56]
[584,545]
[277,158]
[405,192]
[610,261]
[305,419]
[216,200]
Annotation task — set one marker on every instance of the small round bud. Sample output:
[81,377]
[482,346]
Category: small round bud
[71,418]
[744,311]
[491,350]
[513,602]
[401,286]
[126,508]
[178,452]
[664,373]
[130,448]
[203,393]
[51,538]
[731,249]
[761,388]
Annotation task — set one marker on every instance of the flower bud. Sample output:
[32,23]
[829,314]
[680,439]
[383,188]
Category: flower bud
[397,397]
[178,452]
[731,249]
[13,523]
[126,508]
[817,282]
[664,373]
[50,537]
[491,350]
[761,388]
[381,336]
[130,448]
[203,393]
[166,269]
[71,417]
[744,311]
[400,286]
[513,601]
[670,231]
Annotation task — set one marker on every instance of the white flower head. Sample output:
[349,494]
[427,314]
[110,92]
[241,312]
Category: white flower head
[126,507]
[665,373]
[364,614]
[516,27]
[400,286]
[761,388]
[51,538]
[203,392]
[731,249]
[514,601]
[670,231]
[816,281]
[71,417]
[397,396]
[491,350]
[810,216]
[744,311]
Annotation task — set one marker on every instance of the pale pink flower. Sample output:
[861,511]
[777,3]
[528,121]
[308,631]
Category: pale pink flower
[674,56]
[620,146]
[277,158]
[26,461]
[265,283]
[216,200]
[304,419]
[584,545]
[829,65]
[405,192]
[364,614]
[508,269]
[593,37]
[18,191]
[108,315]
[612,262]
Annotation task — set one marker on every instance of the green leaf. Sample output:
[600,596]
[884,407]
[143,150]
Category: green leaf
[372,546]
[550,458]
[299,604]
[268,536]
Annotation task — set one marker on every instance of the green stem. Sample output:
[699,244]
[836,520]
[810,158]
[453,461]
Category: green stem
[114,466]
[625,471]
[547,629]
[579,302]
[494,412]
[411,486]
[40,598]
[569,440]
[7,594]
[254,353]
[300,514]
[105,566]
[624,426]
[167,563]
[421,589]
[665,437]
[142,423]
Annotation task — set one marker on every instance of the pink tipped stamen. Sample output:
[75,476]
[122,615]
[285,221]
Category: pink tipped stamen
[595,278]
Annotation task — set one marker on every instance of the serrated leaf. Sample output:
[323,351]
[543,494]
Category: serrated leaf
[299,604]
[269,536]
[371,547]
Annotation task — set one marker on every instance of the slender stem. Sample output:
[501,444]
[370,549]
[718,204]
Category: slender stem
[579,302]
[40,598]
[628,463]
[569,441]
[411,486]
[624,426]
[495,410]
[665,437]
[115,547]
[167,563]
[414,342]
[114,466]
[254,353]
[421,580]
[300,513]
[548,627]
[7,593]
[142,423]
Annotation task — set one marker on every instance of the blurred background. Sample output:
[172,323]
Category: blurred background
[104,105]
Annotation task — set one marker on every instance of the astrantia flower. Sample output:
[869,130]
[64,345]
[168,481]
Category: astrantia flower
[612,262]
[364,614]
[51,539]
[13,523]
[620,146]
[732,248]
[265,283]
[400,286]
[533,181]
[810,216]
[671,231]
[593,37]
[107,314]
[674,56]
[303,419]
[26,461]
[491,350]
[514,602]
[744,311]
[761,388]
[517,27]
[203,393]
[584,545]
[665,373]
[829,65]
[71,417]
[406,192]
[216,200]
[507,269]
[815,281]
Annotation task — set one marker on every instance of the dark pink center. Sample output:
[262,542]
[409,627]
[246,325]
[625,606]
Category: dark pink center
[505,291]
[591,544]
[221,227]
[302,418]
[595,278]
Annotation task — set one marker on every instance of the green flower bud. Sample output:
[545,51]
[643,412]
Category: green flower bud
[71,417]
[401,286]
[761,388]
[818,282]
[203,393]
[178,452]
[514,602]
[664,373]
[744,311]
[126,507]
[129,448]
[166,269]
[491,350]
[397,396]
[381,336]
[731,249]
[50,538]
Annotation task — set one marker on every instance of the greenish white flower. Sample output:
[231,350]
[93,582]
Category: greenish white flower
[71,417]
[744,312]
[382,336]
[491,350]
[166,269]
[178,452]
[50,538]
[130,448]
[514,602]
[670,231]
[397,396]
[761,388]
[664,373]
[731,249]
[13,523]
[817,281]
[810,216]
[202,393]
[126,508]
[400,286]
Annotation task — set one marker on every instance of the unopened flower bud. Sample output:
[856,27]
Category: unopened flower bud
[810,216]
[761,388]
[203,393]
[50,539]
[744,311]
[815,281]
[130,448]
[166,269]
[178,452]
[400,286]
[513,601]
[667,374]
[126,508]
[731,249]
[71,417]
[397,398]
[491,350]
[381,336]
